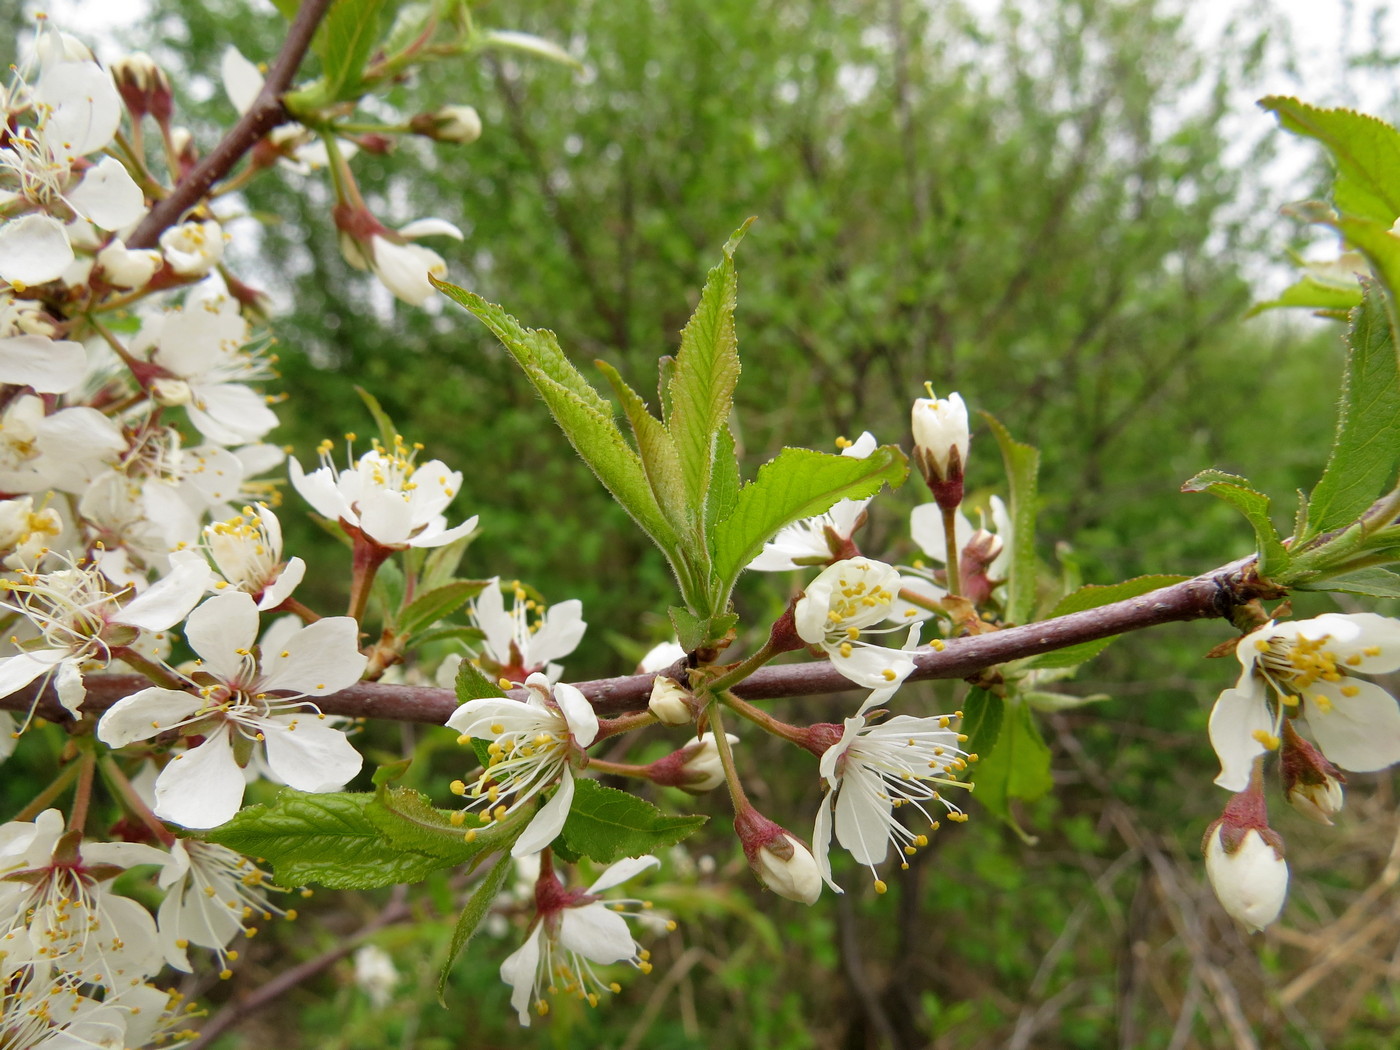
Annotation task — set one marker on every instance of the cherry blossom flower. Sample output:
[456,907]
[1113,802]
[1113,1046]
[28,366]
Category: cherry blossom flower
[848,598]
[824,538]
[375,974]
[193,248]
[237,709]
[247,551]
[77,111]
[212,895]
[534,744]
[572,932]
[81,620]
[401,266]
[872,771]
[46,1009]
[529,637]
[386,496]
[1306,669]
[57,907]
[200,358]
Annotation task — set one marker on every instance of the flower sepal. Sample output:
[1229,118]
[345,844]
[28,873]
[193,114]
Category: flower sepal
[1312,785]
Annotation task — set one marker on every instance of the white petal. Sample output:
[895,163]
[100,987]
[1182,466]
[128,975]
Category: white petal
[201,788]
[549,821]
[578,713]
[429,227]
[108,196]
[19,670]
[281,588]
[320,490]
[34,249]
[68,684]
[87,109]
[1358,632]
[386,517]
[1360,732]
[144,714]
[622,870]
[312,756]
[519,970]
[242,81]
[1238,714]
[490,615]
[863,817]
[926,529]
[230,413]
[559,633]
[321,658]
[170,599]
[821,841]
[50,366]
[596,933]
[219,628]
[872,666]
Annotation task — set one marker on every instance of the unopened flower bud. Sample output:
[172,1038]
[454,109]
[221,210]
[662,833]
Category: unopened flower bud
[941,440]
[695,768]
[1244,859]
[670,703]
[193,248]
[459,124]
[143,86]
[1312,785]
[183,147]
[125,268]
[659,657]
[171,392]
[778,859]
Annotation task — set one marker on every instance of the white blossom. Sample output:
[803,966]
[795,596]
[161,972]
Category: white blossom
[528,638]
[573,932]
[533,744]
[387,496]
[243,708]
[247,551]
[212,895]
[872,772]
[844,603]
[1306,669]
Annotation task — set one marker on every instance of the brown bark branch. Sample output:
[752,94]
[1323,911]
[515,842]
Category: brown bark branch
[262,116]
[1213,594]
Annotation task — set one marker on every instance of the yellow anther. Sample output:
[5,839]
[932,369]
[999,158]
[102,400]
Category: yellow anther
[458,787]
[1266,738]
[880,886]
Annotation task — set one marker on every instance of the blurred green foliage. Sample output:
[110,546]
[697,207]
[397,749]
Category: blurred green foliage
[1035,209]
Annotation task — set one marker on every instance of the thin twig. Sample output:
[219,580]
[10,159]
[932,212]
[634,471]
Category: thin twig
[262,116]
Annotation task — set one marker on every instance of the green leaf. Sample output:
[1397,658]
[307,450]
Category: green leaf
[409,820]
[981,721]
[1382,250]
[607,825]
[1092,597]
[477,907]
[385,425]
[1022,463]
[471,684]
[658,452]
[442,562]
[331,840]
[434,605]
[345,41]
[703,378]
[1375,582]
[1312,293]
[798,483]
[1366,151]
[1366,449]
[586,418]
[1018,766]
[1235,490]
[694,632]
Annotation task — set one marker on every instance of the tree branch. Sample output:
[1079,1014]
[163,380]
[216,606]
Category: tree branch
[1213,594]
[262,116]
